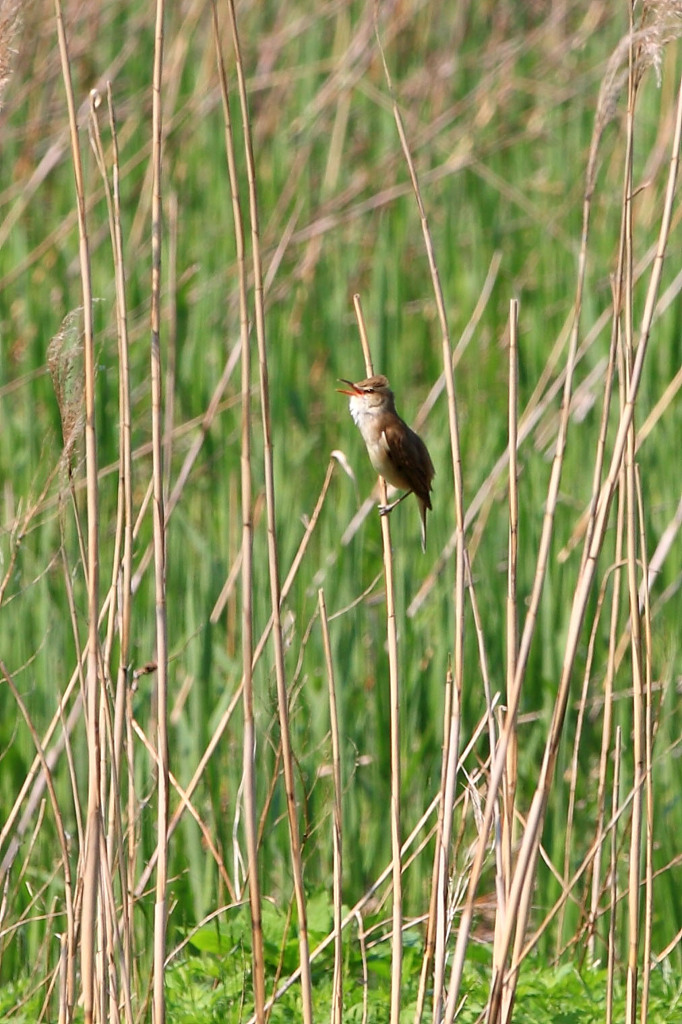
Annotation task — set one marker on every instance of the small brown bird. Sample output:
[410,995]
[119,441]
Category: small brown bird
[395,451]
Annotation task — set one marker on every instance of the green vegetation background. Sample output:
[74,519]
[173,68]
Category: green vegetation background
[499,103]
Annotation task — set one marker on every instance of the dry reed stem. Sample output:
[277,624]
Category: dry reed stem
[119,596]
[626,356]
[435,891]
[169,83]
[634,860]
[605,752]
[648,729]
[273,560]
[172,340]
[575,767]
[337,824]
[394,705]
[159,532]
[503,988]
[613,875]
[249,738]
[124,582]
[451,760]
[611,664]
[119,981]
[363,954]
[458,664]
[90,855]
[511,774]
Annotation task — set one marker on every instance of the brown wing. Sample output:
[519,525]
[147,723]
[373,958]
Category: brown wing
[410,457]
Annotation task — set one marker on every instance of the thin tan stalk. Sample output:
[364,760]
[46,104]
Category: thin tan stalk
[444,841]
[605,751]
[451,767]
[480,850]
[273,561]
[510,778]
[172,343]
[631,535]
[337,983]
[431,924]
[394,705]
[98,150]
[118,980]
[503,990]
[458,659]
[611,961]
[126,501]
[63,984]
[634,860]
[365,976]
[90,855]
[648,766]
[120,591]
[249,740]
[159,528]
[80,656]
[574,775]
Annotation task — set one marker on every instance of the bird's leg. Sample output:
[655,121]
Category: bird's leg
[385,509]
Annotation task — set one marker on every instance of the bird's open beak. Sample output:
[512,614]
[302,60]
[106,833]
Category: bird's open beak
[344,391]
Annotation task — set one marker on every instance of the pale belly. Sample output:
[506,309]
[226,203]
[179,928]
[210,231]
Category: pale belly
[384,467]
